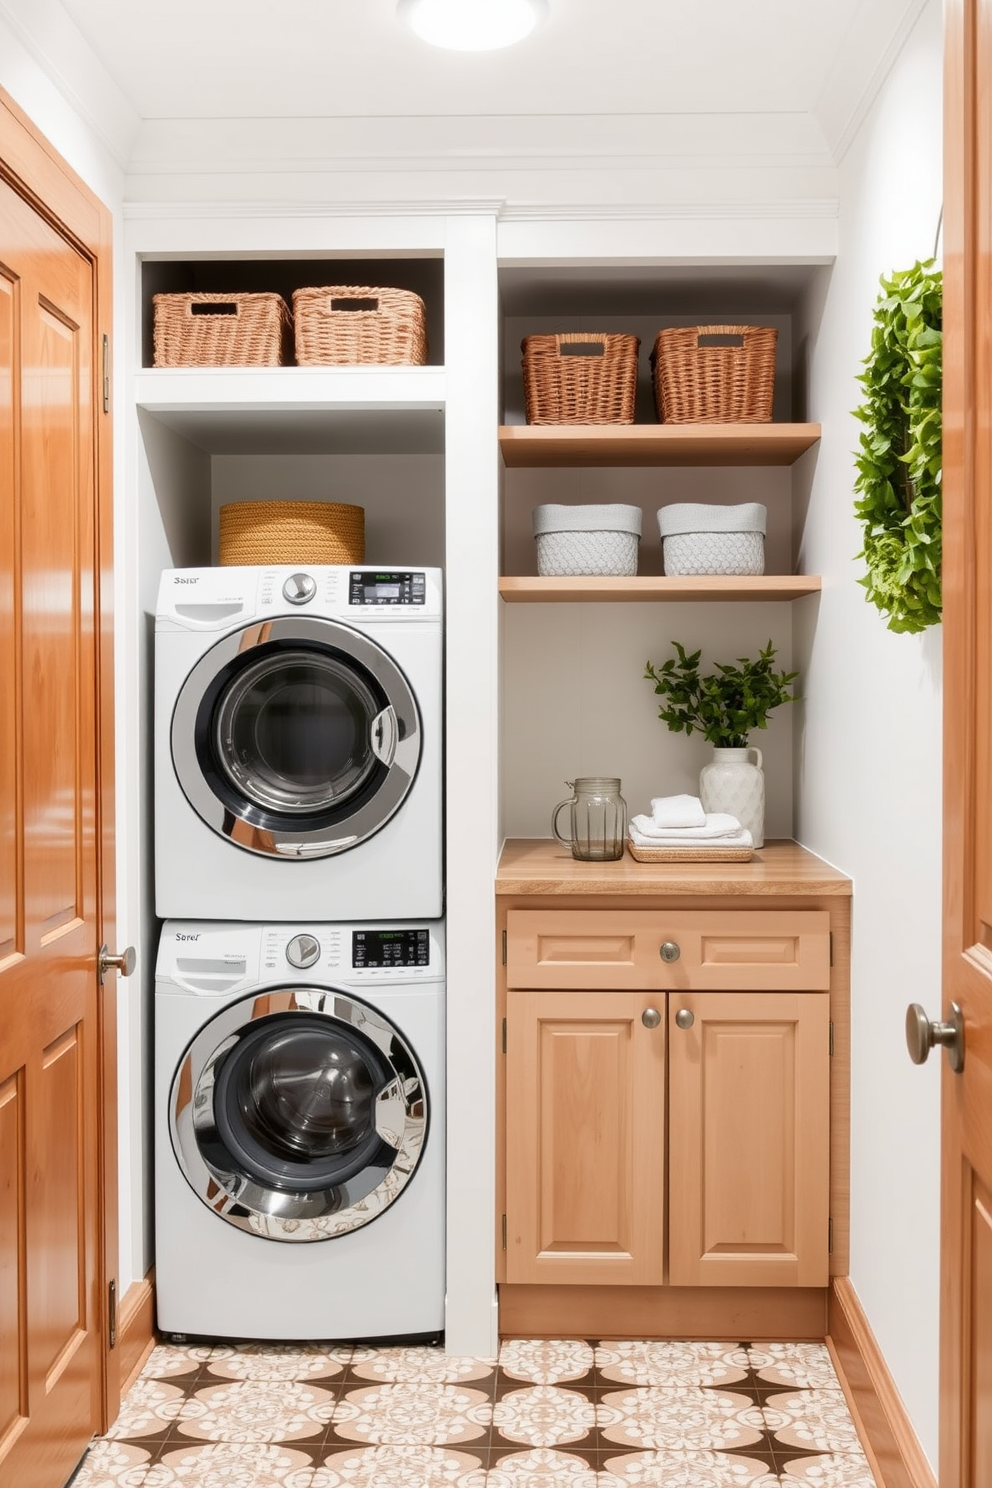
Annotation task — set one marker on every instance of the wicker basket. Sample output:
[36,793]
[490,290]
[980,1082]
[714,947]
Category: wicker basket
[691,854]
[221,330]
[582,377]
[255,532]
[714,374]
[354,326]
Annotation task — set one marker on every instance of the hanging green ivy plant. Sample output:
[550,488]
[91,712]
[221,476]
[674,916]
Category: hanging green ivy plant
[899,455]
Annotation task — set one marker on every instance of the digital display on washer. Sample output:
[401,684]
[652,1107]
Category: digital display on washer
[373,950]
[387,588]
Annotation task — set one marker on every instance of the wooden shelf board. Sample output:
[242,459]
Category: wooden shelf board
[696,587]
[543,446]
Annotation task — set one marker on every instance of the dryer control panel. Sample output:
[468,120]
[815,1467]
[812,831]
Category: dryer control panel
[387,588]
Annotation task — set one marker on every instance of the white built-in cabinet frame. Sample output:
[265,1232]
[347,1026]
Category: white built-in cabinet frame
[164,521]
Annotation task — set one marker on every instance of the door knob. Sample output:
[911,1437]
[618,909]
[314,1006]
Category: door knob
[650,1017]
[921,1035]
[684,1018]
[670,951]
[124,962]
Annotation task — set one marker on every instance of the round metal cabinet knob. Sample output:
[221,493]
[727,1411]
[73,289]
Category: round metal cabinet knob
[650,1017]
[123,962]
[921,1035]
[670,951]
[302,951]
[299,588]
[684,1018]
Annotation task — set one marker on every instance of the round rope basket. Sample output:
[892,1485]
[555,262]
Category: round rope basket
[258,532]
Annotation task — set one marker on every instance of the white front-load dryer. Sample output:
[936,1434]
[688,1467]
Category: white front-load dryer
[298,749]
[299,1130]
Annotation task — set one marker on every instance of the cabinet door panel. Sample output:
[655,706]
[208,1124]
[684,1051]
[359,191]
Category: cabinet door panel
[718,950]
[749,1140]
[585,1126]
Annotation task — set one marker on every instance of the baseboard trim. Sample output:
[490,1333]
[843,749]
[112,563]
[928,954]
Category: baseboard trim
[544,1311]
[136,1328]
[892,1446]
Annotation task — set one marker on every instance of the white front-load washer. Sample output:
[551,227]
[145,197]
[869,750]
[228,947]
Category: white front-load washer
[299,1130]
[298,750]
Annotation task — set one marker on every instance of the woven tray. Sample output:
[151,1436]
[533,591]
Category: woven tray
[714,374]
[698,854]
[257,532]
[221,330]
[354,326]
[581,377]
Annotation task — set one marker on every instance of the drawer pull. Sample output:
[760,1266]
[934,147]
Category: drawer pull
[650,1017]
[684,1018]
[669,951]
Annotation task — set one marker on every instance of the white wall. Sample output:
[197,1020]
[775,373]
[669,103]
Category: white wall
[868,779]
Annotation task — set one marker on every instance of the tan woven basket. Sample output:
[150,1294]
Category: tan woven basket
[253,532]
[581,377]
[221,330]
[714,374]
[354,326]
[699,854]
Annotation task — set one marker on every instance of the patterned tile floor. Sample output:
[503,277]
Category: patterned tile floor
[559,1414]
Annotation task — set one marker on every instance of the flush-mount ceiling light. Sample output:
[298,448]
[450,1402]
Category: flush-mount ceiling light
[472,25]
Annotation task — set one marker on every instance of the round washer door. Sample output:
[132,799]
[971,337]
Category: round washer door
[298,1115]
[296,738]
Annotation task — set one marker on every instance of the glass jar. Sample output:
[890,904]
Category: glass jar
[597,819]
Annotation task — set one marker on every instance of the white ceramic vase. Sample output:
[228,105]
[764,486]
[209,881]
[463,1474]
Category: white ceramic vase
[734,782]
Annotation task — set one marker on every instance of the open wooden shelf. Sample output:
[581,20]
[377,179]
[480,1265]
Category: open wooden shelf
[695,587]
[537,446]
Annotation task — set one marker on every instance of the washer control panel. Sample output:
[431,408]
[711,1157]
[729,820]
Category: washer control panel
[381,950]
[220,959]
[303,951]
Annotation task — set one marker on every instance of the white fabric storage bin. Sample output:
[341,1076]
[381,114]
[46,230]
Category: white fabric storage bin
[587,539]
[700,539]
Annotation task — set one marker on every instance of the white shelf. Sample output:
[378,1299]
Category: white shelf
[299,410]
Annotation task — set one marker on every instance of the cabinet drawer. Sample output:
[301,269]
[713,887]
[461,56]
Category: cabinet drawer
[769,950]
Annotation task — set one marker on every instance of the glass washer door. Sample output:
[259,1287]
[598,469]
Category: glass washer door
[299,737]
[298,1116]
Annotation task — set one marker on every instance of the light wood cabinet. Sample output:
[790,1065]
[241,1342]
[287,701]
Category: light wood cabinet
[746,1105]
[712,949]
[585,1138]
[749,1147]
[674,1125]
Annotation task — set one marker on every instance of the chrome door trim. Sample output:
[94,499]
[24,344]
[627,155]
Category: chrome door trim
[401,1120]
[273,833]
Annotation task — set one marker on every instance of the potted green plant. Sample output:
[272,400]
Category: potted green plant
[725,706]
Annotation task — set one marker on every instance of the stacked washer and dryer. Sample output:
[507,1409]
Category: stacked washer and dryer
[299,996]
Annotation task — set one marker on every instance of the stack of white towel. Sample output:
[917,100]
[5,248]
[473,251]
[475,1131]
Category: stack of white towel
[680,821]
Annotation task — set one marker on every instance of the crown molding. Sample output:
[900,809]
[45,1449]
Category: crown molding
[577,213]
[282,211]
[481,143]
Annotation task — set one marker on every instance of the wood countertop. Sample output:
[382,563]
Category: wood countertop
[541,866]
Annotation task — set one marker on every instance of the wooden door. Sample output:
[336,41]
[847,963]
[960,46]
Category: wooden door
[966,1098]
[54,1054]
[749,1138]
[585,1137]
